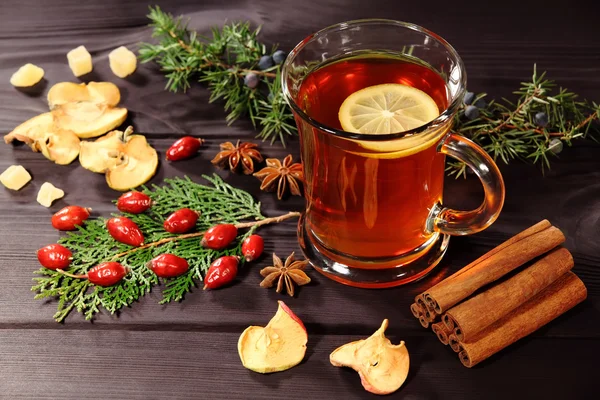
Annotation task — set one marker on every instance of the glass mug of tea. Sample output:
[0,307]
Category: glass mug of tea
[374,102]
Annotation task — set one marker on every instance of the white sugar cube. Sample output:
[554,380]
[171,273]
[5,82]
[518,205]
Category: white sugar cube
[15,177]
[80,61]
[122,61]
[27,75]
[48,193]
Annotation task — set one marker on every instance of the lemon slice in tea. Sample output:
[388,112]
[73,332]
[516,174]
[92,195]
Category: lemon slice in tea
[387,108]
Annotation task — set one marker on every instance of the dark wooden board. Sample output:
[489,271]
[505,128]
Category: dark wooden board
[188,349]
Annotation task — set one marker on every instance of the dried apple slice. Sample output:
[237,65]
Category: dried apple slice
[101,155]
[106,93]
[382,366]
[87,119]
[278,346]
[137,164]
[86,110]
[43,135]
[32,129]
[62,147]
[127,160]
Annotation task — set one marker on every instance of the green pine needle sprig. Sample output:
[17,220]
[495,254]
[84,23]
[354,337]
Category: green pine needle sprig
[510,130]
[221,62]
[91,244]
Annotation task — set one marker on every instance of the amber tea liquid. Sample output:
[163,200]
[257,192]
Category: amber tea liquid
[364,203]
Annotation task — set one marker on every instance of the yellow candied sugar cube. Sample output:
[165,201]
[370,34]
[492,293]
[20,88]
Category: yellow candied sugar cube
[122,61]
[48,193]
[27,75]
[80,61]
[15,177]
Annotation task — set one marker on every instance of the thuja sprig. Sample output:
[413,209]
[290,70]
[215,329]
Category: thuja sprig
[534,128]
[91,244]
[229,63]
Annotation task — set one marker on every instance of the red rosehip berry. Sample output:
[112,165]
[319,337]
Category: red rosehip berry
[69,217]
[168,265]
[221,272]
[54,256]
[181,221]
[219,236]
[134,202]
[252,247]
[124,230]
[107,273]
[184,148]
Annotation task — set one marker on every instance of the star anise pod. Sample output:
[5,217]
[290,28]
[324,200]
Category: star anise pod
[245,152]
[285,274]
[282,174]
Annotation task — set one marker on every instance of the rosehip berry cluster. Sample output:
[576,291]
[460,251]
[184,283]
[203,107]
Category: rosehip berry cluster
[124,230]
[224,269]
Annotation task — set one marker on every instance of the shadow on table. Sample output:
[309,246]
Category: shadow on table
[35,90]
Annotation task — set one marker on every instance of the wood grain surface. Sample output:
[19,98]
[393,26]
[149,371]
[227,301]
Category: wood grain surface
[188,349]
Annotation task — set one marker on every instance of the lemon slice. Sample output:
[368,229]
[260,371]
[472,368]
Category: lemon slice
[387,108]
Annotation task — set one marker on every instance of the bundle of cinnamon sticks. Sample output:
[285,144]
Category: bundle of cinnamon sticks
[492,302]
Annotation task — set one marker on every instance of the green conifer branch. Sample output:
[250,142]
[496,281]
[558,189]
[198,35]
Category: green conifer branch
[221,62]
[91,244]
[516,130]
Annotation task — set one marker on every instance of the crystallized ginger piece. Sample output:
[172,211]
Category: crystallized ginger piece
[27,75]
[80,61]
[48,193]
[15,177]
[122,61]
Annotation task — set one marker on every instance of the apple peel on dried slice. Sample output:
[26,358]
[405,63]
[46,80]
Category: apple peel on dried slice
[382,366]
[43,135]
[278,346]
[127,160]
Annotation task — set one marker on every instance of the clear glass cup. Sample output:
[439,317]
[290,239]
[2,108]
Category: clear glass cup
[374,214]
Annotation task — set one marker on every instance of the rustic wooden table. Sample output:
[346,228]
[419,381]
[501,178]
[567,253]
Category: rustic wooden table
[188,349]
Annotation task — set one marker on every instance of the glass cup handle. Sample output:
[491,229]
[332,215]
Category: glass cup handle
[453,222]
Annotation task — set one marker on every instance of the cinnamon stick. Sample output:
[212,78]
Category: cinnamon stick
[441,332]
[540,226]
[477,313]
[454,343]
[562,295]
[426,311]
[503,259]
[416,310]
[449,322]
